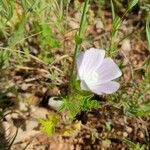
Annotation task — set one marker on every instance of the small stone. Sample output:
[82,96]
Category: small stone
[129,129]
[23,106]
[54,104]
[31,124]
[126,45]
[99,25]
[125,134]
[25,86]
[141,135]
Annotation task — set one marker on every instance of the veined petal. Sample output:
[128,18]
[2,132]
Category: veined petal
[89,61]
[84,86]
[79,63]
[108,71]
[107,88]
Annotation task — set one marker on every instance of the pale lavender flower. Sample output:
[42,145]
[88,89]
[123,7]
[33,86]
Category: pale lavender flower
[97,73]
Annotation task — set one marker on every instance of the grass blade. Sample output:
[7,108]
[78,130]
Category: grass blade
[132,3]
[148,30]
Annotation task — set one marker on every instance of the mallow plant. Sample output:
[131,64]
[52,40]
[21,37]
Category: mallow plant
[93,72]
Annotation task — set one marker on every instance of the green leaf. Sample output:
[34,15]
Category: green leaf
[134,146]
[143,110]
[116,25]
[78,103]
[26,4]
[78,39]
[46,38]
[19,33]
[148,30]
[132,3]
[112,10]
[4,58]
[6,9]
[87,104]
[48,125]
[71,106]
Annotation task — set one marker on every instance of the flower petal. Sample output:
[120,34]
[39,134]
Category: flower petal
[108,71]
[107,88]
[84,86]
[89,61]
[79,63]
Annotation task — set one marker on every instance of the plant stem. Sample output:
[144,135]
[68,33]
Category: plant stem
[78,44]
[83,18]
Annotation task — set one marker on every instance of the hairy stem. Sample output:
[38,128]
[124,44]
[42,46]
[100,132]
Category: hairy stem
[78,44]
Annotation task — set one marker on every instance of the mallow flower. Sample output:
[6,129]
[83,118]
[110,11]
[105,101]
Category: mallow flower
[96,72]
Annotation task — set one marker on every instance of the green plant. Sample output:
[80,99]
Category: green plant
[78,40]
[46,37]
[134,146]
[6,13]
[116,23]
[48,125]
[148,29]
[4,59]
[135,103]
[77,104]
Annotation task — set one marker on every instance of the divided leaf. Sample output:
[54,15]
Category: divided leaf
[48,125]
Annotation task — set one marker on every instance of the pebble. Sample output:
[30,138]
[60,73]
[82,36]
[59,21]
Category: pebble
[125,134]
[31,124]
[23,106]
[126,45]
[141,134]
[25,86]
[54,104]
[99,25]
[129,129]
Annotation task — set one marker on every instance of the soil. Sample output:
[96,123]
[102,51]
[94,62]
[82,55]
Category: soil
[104,129]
